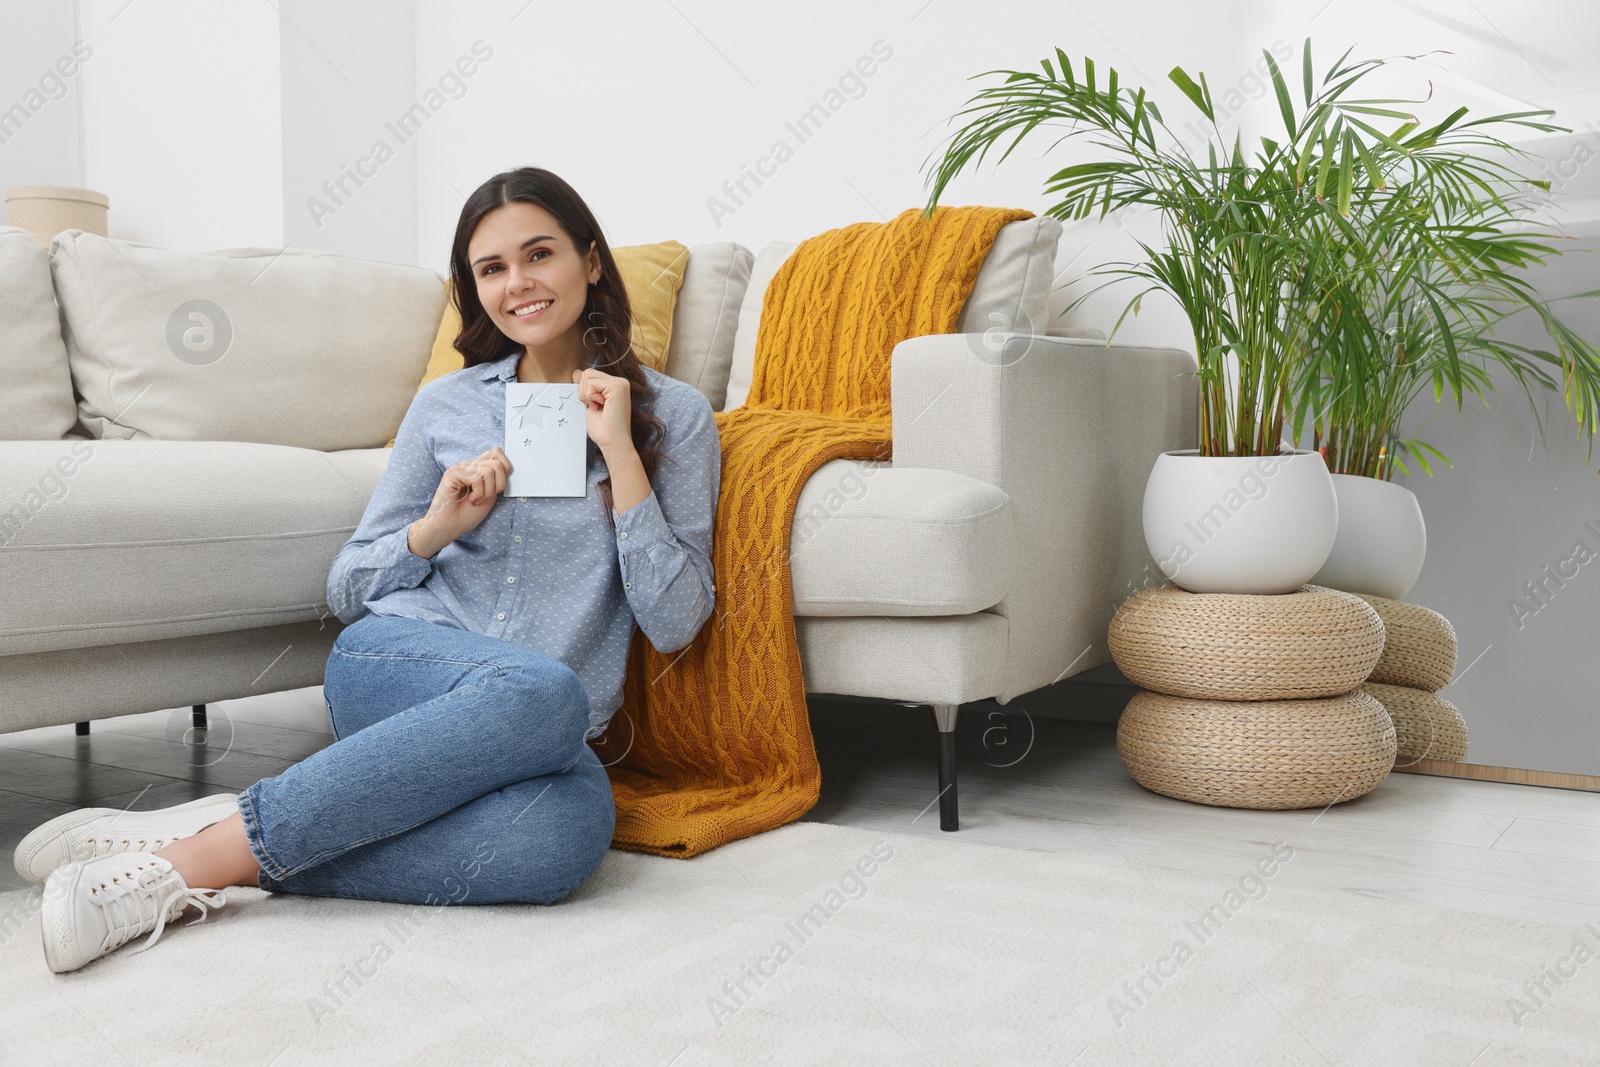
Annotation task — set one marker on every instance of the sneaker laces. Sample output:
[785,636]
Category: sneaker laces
[144,895]
[92,846]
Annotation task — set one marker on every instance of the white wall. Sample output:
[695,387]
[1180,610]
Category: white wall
[40,96]
[349,181]
[182,121]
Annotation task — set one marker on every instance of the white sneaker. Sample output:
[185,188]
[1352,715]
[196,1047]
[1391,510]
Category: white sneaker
[90,832]
[94,906]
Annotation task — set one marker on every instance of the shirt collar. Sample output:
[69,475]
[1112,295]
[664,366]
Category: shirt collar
[505,368]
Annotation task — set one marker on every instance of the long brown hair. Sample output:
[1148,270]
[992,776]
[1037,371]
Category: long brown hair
[607,311]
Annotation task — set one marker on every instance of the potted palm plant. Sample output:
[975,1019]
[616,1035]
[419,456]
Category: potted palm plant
[1253,244]
[1441,276]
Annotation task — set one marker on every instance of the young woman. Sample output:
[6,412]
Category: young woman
[487,636]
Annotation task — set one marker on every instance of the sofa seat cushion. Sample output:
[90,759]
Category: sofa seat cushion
[869,538]
[109,542]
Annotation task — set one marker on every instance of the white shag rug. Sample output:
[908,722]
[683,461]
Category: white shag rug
[829,945]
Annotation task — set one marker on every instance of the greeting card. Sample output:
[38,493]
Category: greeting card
[545,440]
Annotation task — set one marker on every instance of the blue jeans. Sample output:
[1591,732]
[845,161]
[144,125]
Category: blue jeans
[459,775]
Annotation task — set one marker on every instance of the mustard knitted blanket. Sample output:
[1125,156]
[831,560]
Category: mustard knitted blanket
[713,743]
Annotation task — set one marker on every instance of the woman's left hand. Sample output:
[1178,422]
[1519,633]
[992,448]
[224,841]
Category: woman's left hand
[607,407]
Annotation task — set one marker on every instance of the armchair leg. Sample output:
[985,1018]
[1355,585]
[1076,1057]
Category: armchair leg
[83,728]
[199,716]
[944,716]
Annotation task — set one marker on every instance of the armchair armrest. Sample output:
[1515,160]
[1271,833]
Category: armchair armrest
[1069,428]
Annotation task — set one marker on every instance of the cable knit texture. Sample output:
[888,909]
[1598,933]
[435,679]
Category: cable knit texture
[715,744]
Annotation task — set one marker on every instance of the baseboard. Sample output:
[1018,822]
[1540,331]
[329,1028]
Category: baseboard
[1512,775]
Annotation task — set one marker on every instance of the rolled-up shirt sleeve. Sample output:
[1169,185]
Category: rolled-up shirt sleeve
[376,559]
[664,541]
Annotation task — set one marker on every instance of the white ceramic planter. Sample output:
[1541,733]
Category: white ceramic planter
[1382,540]
[1240,524]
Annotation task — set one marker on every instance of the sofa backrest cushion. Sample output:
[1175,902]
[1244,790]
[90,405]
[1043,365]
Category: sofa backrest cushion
[1010,294]
[707,316]
[36,402]
[275,346]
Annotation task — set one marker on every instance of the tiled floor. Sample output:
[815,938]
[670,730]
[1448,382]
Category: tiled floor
[1026,781]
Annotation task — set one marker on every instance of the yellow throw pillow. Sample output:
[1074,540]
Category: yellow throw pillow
[652,274]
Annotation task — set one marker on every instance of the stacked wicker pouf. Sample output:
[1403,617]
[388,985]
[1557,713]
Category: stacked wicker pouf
[1419,657]
[1252,701]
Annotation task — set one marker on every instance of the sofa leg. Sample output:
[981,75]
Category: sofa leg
[199,716]
[83,729]
[944,716]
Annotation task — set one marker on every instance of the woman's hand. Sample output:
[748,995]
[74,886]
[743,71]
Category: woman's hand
[607,408]
[467,492]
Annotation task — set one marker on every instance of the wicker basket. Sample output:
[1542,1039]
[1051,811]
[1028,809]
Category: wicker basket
[1257,754]
[1236,646]
[1426,726]
[1419,651]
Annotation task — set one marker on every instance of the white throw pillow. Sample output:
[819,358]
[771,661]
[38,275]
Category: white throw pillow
[36,402]
[706,317]
[276,346]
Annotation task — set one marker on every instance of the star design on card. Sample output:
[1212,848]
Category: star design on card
[525,414]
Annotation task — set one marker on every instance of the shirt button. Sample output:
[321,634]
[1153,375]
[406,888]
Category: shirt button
[501,616]
[624,535]
[517,539]
[511,580]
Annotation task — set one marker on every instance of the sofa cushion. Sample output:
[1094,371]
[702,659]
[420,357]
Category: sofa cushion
[273,346]
[706,317]
[872,539]
[107,542]
[1011,293]
[36,402]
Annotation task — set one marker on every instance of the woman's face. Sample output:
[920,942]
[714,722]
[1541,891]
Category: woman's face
[521,258]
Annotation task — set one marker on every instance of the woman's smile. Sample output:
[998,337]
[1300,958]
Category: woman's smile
[531,310]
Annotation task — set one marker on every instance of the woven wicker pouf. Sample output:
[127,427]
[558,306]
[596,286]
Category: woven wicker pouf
[1426,726]
[1419,648]
[1257,754]
[1232,646]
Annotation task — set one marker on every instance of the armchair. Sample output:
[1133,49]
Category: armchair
[986,558]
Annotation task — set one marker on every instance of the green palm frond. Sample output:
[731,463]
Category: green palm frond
[1340,269]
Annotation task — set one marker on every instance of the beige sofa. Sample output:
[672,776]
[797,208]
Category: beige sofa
[187,440]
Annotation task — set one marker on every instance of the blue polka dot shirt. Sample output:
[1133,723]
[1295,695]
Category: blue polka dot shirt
[548,573]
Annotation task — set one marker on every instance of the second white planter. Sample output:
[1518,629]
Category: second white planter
[1240,524]
[1382,540]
